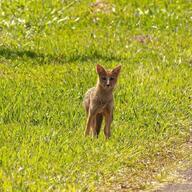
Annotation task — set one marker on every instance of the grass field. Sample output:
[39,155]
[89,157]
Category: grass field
[48,53]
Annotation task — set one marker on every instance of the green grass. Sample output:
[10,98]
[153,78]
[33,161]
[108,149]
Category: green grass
[48,53]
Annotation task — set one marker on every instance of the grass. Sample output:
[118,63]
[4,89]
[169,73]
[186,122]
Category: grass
[48,53]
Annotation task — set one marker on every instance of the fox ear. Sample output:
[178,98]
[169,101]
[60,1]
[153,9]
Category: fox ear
[116,70]
[100,69]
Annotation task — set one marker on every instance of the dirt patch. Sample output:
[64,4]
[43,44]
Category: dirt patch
[185,185]
[101,6]
[176,188]
[187,175]
[143,38]
[184,180]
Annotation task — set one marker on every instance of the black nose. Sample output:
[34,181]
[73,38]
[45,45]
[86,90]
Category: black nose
[107,85]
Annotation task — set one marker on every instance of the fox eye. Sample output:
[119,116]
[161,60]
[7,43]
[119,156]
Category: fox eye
[111,78]
[104,78]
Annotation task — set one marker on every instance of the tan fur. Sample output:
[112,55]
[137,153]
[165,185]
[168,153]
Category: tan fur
[98,101]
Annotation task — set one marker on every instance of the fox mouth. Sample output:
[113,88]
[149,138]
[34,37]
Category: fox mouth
[108,86]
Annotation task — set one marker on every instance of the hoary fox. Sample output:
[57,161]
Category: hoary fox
[98,101]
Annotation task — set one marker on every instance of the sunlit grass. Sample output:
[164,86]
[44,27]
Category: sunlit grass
[48,53]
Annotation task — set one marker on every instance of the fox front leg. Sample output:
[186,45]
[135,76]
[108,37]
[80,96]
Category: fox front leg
[108,119]
[88,125]
[90,121]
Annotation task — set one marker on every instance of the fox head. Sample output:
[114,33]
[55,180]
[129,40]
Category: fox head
[108,78]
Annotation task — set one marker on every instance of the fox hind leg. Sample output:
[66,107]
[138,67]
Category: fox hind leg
[99,119]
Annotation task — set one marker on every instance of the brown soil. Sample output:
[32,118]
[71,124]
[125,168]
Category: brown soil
[101,6]
[185,186]
[185,179]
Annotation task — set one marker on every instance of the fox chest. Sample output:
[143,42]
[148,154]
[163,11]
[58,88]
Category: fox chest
[100,105]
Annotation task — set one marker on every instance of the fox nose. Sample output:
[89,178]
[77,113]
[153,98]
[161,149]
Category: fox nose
[108,83]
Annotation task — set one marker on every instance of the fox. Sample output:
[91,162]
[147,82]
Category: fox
[99,102]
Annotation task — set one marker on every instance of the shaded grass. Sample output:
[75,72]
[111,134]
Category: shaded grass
[60,59]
